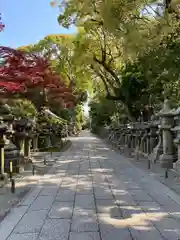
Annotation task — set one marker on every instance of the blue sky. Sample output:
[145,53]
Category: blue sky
[28,21]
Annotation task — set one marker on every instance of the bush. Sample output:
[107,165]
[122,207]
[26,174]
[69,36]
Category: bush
[22,108]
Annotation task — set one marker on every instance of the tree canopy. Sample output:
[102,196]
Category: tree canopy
[124,53]
[44,75]
[131,47]
[59,49]
[27,73]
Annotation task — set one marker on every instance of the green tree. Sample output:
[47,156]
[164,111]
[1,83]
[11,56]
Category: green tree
[59,49]
[124,44]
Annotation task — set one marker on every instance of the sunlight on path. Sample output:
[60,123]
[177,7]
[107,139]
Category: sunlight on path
[93,193]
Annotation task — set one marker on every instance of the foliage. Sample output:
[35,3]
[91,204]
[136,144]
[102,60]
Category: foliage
[130,47]
[22,108]
[125,54]
[59,49]
[65,113]
[31,75]
[51,125]
[48,120]
[101,112]
[157,68]
[79,117]
[98,50]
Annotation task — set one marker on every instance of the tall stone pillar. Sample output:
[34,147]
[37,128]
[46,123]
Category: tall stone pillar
[167,123]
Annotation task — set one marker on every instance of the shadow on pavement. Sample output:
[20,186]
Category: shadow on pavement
[100,193]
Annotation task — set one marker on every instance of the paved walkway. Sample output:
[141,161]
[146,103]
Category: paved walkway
[93,193]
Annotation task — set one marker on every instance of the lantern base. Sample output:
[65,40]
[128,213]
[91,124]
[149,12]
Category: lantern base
[166,161]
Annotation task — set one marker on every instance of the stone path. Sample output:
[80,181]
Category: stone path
[93,193]
[24,181]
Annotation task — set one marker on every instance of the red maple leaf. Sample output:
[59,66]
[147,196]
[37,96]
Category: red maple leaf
[22,71]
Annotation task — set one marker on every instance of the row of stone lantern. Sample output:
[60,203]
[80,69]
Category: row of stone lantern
[50,133]
[157,140]
[19,136]
[138,138]
[15,140]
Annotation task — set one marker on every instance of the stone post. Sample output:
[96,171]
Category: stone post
[133,130]
[128,150]
[143,140]
[167,122]
[138,141]
[35,143]
[122,139]
[27,148]
[146,141]
[128,141]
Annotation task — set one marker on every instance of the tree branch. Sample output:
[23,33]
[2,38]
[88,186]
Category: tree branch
[108,69]
[102,78]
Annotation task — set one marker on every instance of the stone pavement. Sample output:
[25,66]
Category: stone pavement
[24,181]
[93,193]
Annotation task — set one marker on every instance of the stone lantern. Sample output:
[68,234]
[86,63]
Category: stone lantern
[20,134]
[167,123]
[10,150]
[23,135]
